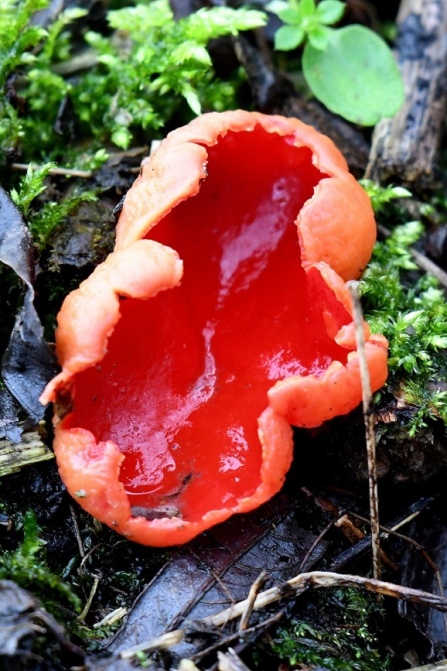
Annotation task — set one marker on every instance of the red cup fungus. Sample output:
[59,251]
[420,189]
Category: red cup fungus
[220,319]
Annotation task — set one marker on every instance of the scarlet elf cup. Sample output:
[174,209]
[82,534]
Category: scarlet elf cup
[220,319]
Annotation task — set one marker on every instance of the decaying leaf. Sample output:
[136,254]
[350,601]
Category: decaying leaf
[213,571]
[15,621]
[22,619]
[28,363]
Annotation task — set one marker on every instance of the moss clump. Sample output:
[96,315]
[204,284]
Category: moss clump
[410,309]
[27,567]
[341,636]
[144,69]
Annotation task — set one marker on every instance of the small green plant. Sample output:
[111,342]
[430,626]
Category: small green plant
[17,34]
[46,218]
[410,310]
[17,37]
[151,69]
[142,79]
[351,69]
[27,567]
[381,196]
[348,645]
[31,186]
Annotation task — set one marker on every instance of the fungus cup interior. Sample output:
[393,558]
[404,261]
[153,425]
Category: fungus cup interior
[187,372]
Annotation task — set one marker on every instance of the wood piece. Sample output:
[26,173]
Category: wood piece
[231,662]
[405,147]
[437,666]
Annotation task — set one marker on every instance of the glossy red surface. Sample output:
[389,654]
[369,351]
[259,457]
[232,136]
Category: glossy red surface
[187,372]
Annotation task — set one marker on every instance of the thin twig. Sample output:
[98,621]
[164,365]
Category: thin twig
[407,520]
[157,643]
[115,616]
[315,544]
[77,532]
[368,415]
[253,593]
[316,579]
[66,172]
[422,261]
[265,624]
[89,601]
[230,661]
[429,266]
[392,532]
[295,587]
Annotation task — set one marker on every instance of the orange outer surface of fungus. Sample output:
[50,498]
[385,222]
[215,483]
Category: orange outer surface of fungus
[220,319]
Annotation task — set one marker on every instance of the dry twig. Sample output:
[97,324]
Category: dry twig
[237,635]
[368,415]
[294,587]
[438,666]
[253,593]
[230,661]
[65,172]
[422,261]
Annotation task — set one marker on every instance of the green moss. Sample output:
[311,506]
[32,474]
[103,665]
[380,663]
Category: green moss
[27,567]
[151,69]
[45,218]
[409,308]
[342,638]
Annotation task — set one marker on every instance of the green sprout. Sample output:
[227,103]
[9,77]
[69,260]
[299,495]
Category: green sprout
[351,69]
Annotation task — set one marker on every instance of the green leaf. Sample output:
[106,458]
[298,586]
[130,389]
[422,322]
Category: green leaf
[319,37]
[276,6]
[190,51]
[330,11]
[290,15]
[356,76]
[31,185]
[192,99]
[437,341]
[121,137]
[288,37]
[307,8]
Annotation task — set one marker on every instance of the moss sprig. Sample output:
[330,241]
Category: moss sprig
[410,310]
[149,69]
[27,567]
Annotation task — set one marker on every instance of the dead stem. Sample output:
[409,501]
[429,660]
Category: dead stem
[66,172]
[89,601]
[230,661]
[315,544]
[393,532]
[253,593]
[295,587]
[368,416]
[438,666]
[222,642]
[77,532]
[157,643]
[422,261]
